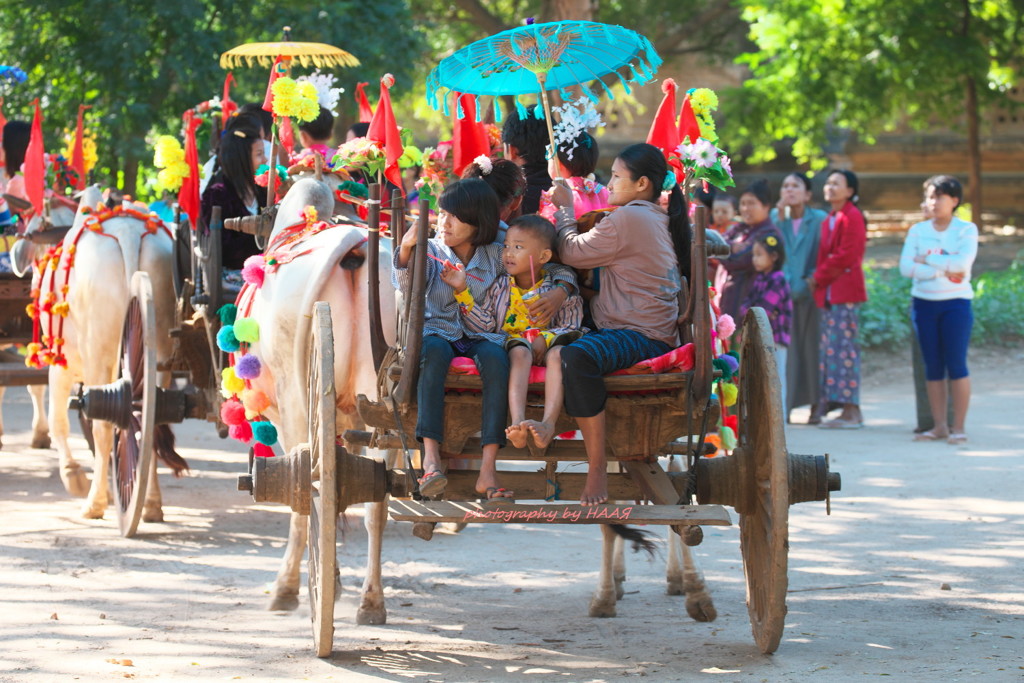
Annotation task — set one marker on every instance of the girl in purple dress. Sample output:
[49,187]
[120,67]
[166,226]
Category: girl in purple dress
[770,291]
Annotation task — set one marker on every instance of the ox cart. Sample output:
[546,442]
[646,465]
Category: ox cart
[648,416]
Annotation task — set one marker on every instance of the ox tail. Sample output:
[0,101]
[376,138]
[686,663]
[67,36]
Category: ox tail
[641,540]
[163,445]
[130,242]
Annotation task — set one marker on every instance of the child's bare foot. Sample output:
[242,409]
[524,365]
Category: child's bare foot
[517,434]
[595,491]
[543,433]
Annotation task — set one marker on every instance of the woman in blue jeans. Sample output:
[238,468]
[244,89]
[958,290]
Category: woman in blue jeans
[938,254]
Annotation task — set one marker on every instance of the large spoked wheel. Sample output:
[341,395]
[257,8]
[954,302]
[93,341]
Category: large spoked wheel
[764,500]
[323,516]
[133,444]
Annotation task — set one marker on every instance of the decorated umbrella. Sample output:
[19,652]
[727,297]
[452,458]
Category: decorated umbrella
[279,56]
[541,57]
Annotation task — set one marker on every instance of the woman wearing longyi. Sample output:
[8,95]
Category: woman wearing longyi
[639,248]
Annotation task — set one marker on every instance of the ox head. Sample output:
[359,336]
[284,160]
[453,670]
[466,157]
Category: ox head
[305,192]
[57,217]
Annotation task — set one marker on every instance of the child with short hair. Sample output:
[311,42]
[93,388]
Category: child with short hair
[529,246]
[315,135]
[770,291]
[576,166]
[723,213]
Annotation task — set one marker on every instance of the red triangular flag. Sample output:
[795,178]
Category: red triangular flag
[384,129]
[280,68]
[286,135]
[688,123]
[227,105]
[469,138]
[188,197]
[664,135]
[365,110]
[35,166]
[77,161]
[3,122]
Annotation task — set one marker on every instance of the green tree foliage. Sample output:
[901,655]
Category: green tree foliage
[140,64]
[869,65]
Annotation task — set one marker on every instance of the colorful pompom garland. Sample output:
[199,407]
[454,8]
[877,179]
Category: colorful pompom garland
[242,410]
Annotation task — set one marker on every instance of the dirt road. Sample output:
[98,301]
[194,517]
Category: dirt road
[917,575]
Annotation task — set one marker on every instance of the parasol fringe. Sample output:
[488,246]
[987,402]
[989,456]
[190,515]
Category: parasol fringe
[497,109]
[607,90]
[460,112]
[520,109]
[447,107]
[591,95]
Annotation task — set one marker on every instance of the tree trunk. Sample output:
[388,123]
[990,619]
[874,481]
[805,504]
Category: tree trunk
[973,152]
[131,174]
[565,10]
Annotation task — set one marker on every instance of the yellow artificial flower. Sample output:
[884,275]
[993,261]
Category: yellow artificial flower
[703,100]
[166,151]
[89,149]
[296,100]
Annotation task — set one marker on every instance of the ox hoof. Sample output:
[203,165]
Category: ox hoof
[457,527]
[701,609]
[94,510]
[153,515]
[424,530]
[620,588]
[74,480]
[284,603]
[675,587]
[371,616]
[41,441]
[602,607]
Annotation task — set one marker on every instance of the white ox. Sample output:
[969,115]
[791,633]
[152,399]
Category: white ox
[283,307]
[98,296]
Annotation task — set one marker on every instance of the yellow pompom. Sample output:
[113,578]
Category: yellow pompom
[230,382]
[728,392]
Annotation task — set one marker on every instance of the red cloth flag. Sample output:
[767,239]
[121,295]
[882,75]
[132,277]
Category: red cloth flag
[280,68]
[77,161]
[35,166]
[227,105]
[688,122]
[365,110]
[3,122]
[663,134]
[188,197]
[287,135]
[469,138]
[384,130]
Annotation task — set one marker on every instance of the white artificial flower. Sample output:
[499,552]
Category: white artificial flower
[327,94]
[485,164]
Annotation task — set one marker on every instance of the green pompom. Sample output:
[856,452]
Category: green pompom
[265,433]
[355,189]
[717,364]
[227,314]
[247,330]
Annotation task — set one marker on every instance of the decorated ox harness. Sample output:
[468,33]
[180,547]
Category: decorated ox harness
[50,297]
[243,407]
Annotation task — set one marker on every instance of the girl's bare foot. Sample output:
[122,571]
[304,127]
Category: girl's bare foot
[543,433]
[595,491]
[516,434]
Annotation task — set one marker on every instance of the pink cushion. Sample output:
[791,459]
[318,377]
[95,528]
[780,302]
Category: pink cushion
[676,360]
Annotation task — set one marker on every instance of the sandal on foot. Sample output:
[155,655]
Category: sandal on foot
[929,435]
[432,483]
[493,494]
[957,438]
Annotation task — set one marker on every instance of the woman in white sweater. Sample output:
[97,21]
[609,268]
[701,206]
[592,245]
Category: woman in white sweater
[938,254]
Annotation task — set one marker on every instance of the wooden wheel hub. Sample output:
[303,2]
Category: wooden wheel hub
[285,479]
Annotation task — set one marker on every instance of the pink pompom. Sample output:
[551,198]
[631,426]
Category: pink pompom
[254,270]
[248,366]
[387,81]
[242,432]
[261,450]
[668,84]
[725,327]
[232,412]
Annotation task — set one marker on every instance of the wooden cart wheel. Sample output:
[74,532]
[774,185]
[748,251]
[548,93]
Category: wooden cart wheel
[764,489]
[323,516]
[133,447]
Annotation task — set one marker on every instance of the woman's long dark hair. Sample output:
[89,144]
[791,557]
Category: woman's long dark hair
[644,160]
[16,135]
[234,161]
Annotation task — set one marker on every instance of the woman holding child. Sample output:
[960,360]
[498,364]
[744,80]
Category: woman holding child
[755,205]
[640,248]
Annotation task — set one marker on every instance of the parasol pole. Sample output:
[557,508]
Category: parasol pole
[542,78]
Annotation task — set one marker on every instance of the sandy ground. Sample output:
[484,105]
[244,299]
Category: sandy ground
[868,585]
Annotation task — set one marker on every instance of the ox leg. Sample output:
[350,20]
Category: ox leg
[40,427]
[153,507]
[371,604]
[3,390]
[99,493]
[603,602]
[74,479]
[619,567]
[698,600]
[674,566]
[286,587]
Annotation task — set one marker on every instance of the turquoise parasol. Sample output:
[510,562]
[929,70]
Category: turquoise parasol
[541,57]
